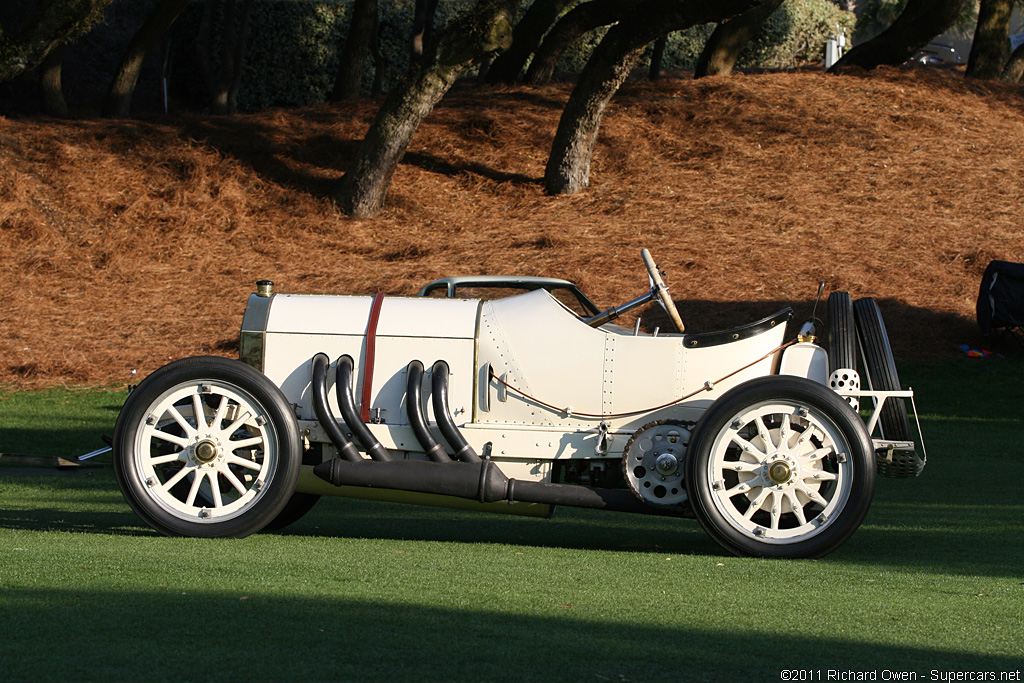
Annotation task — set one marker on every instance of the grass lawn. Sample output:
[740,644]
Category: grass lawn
[931,583]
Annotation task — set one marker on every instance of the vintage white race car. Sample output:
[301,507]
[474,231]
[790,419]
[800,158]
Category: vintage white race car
[520,404]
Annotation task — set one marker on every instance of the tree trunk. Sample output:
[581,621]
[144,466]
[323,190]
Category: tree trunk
[991,37]
[1015,67]
[234,50]
[568,168]
[729,38]
[119,97]
[526,37]
[50,88]
[657,56]
[379,63]
[579,21]
[361,33]
[24,44]
[483,30]
[224,82]
[918,23]
[422,31]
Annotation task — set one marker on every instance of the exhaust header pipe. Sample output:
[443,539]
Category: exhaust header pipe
[414,409]
[363,435]
[346,449]
[439,396]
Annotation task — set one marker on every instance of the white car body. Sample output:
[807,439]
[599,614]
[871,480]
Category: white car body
[531,341]
[539,406]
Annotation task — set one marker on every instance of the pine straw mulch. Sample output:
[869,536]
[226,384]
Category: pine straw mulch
[127,243]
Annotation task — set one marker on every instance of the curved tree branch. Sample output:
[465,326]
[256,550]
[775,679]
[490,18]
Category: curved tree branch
[729,38]
[568,168]
[24,44]
[119,97]
[484,30]
[918,23]
[578,21]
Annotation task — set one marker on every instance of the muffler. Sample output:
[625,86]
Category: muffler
[480,481]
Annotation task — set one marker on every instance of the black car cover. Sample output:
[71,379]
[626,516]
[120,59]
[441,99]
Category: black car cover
[1001,298]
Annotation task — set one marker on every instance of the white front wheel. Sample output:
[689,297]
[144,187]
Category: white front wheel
[780,467]
[206,447]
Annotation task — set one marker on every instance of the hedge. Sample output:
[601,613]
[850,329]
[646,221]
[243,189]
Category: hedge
[293,46]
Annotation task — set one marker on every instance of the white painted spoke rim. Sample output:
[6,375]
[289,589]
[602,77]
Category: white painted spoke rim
[780,472]
[209,469]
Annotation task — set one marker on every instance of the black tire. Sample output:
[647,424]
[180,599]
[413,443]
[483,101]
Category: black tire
[294,510]
[842,332]
[209,489]
[880,367]
[728,485]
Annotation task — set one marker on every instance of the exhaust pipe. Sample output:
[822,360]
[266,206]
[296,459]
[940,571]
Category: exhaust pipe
[346,449]
[480,481]
[439,396]
[414,409]
[348,411]
[473,478]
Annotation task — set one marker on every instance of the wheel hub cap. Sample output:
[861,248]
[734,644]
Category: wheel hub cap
[206,451]
[779,472]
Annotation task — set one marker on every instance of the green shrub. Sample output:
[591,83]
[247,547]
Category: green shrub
[795,34]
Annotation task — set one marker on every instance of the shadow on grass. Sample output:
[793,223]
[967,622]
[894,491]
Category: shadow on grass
[57,422]
[72,505]
[960,517]
[900,532]
[233,636]
[949,521]
[910,535]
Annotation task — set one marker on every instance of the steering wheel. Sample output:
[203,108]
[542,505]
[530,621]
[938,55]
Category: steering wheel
[661,291]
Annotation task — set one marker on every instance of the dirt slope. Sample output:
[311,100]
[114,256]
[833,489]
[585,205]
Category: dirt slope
[126,243]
